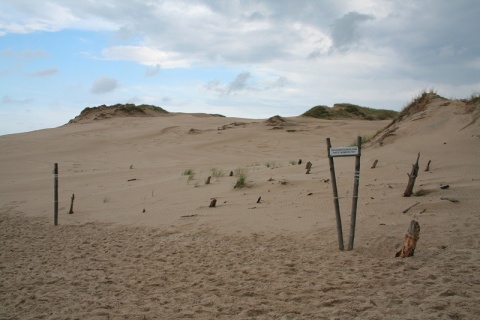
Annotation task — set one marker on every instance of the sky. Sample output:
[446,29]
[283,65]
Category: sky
[251,59]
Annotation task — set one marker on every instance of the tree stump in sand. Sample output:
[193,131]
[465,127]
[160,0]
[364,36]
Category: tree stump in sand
[213,203]
[411,178]
[410,241]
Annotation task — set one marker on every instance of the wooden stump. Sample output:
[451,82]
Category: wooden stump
[428,165]
[299,161]
[410,241]
[374,164]
[308,167]
[208,180]
[71,204]
[213,203]
[411,178]
[231,173]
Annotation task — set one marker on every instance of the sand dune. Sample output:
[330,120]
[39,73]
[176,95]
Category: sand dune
[144,244]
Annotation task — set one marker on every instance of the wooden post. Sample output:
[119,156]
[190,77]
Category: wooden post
[55,194]
[356,182]
[335,197]
[231,173]
[299,161]
[259,199]
[374,164]
[208,180]
[213,203]
[410,241]
[71,204]
[411,178]
[428,165]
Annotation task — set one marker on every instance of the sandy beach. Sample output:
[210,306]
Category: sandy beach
[143,242]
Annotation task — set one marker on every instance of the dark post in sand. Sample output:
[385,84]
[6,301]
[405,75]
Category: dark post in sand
[55,194]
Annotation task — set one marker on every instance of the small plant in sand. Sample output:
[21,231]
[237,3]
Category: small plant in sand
[271,164]
[293,162]
[241,175]
[365,138]
[190,173]
[217,173]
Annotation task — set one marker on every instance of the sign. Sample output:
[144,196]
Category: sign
[343,151]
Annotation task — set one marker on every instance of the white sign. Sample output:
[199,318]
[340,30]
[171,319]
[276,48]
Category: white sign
[343,151]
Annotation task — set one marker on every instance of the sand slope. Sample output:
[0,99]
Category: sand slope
[151,248]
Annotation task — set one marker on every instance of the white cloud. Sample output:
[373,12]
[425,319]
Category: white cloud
[145,55]
[104,85]
[10,100]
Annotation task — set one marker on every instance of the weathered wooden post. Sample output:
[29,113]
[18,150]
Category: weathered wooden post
[208,180]
[410,240]
[374,164]
[213,203]
[411,178]
[336,204]
[71,204]
[356,182]
[55,194]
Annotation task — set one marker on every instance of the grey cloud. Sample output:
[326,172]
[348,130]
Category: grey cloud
[25,54]
[44,72]
[345,30]
[240,82]
[152,71]
[10,100]
[104,85]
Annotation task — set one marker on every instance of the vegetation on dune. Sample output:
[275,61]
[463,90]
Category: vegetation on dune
[129,108]
[349,111]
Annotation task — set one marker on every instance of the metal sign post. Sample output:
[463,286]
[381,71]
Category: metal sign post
[345,152]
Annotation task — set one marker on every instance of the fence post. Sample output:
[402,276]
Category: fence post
[55,197]
[335,197]
[356,181]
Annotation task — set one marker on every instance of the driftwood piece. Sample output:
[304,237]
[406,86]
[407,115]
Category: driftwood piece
[410,241]
[374,164]
[71,204]
[450,199]
[406,210]
[411,178]
[428,165]
[213,203]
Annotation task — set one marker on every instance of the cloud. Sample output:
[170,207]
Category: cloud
[104,85]
[10,100]
[25,54]
[146,55]
[345,30]
[239,83]
[44,72]
[152,71]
